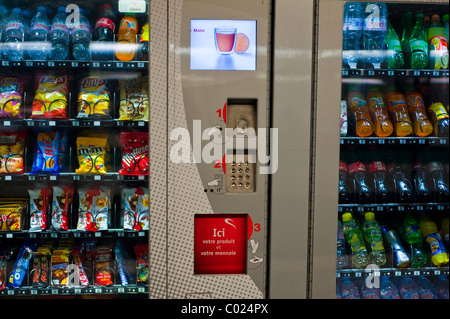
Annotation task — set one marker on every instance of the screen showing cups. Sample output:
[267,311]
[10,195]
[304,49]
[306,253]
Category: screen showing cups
[223,45]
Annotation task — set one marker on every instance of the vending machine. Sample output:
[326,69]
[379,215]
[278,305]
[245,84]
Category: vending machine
[381,206]
[74,141]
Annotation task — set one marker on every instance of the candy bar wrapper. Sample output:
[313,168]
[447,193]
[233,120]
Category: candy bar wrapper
[135,204]
[51,97]
[20,268]
[94,98]
[95,208]
[40,274]
[135,148]
[59,263]
[103,266]
[92,155]
[61,207]
[77,260]
[134,102]
[141,251]
[12,150]
[40,201]
[11,97]
[12,214]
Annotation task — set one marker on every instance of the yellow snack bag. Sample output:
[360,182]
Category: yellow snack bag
[134,103]
[92,155]
[94,98]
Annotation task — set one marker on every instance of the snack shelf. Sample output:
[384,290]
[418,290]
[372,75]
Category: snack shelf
[77,234]
[394,207]
[67,177]
[394,73]
[116,289]
[74,64]
[396,141]
[70,123]
[396,272]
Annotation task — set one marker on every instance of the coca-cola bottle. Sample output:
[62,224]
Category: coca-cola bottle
[378,171]
[345,193]
[102,48]
[422,191]
[363,193]
[402,186]
[440,188]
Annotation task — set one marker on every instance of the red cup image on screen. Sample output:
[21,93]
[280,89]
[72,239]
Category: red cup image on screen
[225,39]
[220,243]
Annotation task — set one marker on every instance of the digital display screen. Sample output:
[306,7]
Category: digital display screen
[223,45]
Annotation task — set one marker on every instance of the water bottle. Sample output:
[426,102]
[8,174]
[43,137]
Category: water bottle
[349,290]
[362,190]
[26,16]
[426,289]
[388,289]
[374,33]
[3,16]
[14,36]
[352,32]
[40,27]
[407,288]
[369,293]
[352,233]
[422,190]
[400,257]
[81,37]
[378,171]
[440,190]
[345,194]
[59,36]
[442,287]
[342,259]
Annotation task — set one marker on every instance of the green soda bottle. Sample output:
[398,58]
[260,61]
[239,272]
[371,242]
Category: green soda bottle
[406,29]
[437,45]
[413,236]
[395,53]
[419,44]
[353,236]
[374,239]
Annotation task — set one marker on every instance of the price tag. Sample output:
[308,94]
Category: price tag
[136,6]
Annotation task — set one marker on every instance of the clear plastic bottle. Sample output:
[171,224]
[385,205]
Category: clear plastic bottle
[369,293]
[400,257]
[379,174]
[352,233]
[437,45]
[422,189]
[39,46]
[439,255]
[378,110]
[59,36]
[342,259]
[352,33]
[407,27]
[345,194]
[438,116]
[374,33]
[396,59]
[442,287]
[426,289]
[101,47]
[3,17]
[399,112]
[440,188]
[363,192]
[418,113]
[408,288]
[81,38]
[374,239]
[349,290]
[360,113]
[402,185]
[419,44]
[388,289]
[413,236]
[128,28]
[14,36]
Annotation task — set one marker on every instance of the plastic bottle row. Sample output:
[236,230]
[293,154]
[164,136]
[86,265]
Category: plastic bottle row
[49,151]
[84,208]
[76,264]
[391,113]
[380,182]
[97,97]
[36,36]
[412,240]
[393,288]
[371,41]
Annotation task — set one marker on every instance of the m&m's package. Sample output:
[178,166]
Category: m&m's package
[61,207]
[135,204]
[93,155]
[12,149]
[40,203]
[11,97]
[134,103]
[51,97]
[94,98]
[95,208]
[135,148]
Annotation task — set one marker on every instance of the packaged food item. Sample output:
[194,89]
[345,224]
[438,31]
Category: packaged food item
[83,280]
[51,97]
[61,207]
[95,208]
[20,269]
[141,251]
[40,203]
[134,102]
[126,275]
[41,264]
[5,254]
[12,150]
[103,266]
[94,98]
[11,97]
[59,263]
[46,152]
[135,204]
[12,214]
[135,148]
[92,155]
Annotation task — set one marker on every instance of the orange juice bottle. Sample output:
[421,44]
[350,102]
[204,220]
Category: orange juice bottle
[378,111]
[399,113]
[128,29]
[418,113]
[360,111]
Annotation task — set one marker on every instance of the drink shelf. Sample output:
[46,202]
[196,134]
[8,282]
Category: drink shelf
[394,73]
[74,64]
[395,272]
[99,290]
[394,141]
[394,207]
[74,233]
[5,123]
[67,177]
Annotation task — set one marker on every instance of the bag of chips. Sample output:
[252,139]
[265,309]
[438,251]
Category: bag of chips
[94,98]
[61,207]
[135,204]
[92,155]
[94,212]
[11,97]
[40,202]
[135,148]
[134,103]
[12,149]
[51,97]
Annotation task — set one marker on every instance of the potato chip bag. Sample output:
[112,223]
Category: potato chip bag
[92,155]
[46,158]
[94,211]
[134,103]
[94,98]
[11,97]
[51,97]
[12,149]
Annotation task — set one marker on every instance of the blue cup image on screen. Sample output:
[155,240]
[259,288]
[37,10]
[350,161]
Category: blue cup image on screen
[225,39]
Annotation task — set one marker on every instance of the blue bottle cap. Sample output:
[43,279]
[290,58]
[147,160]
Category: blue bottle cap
[16,11]
[41,9]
